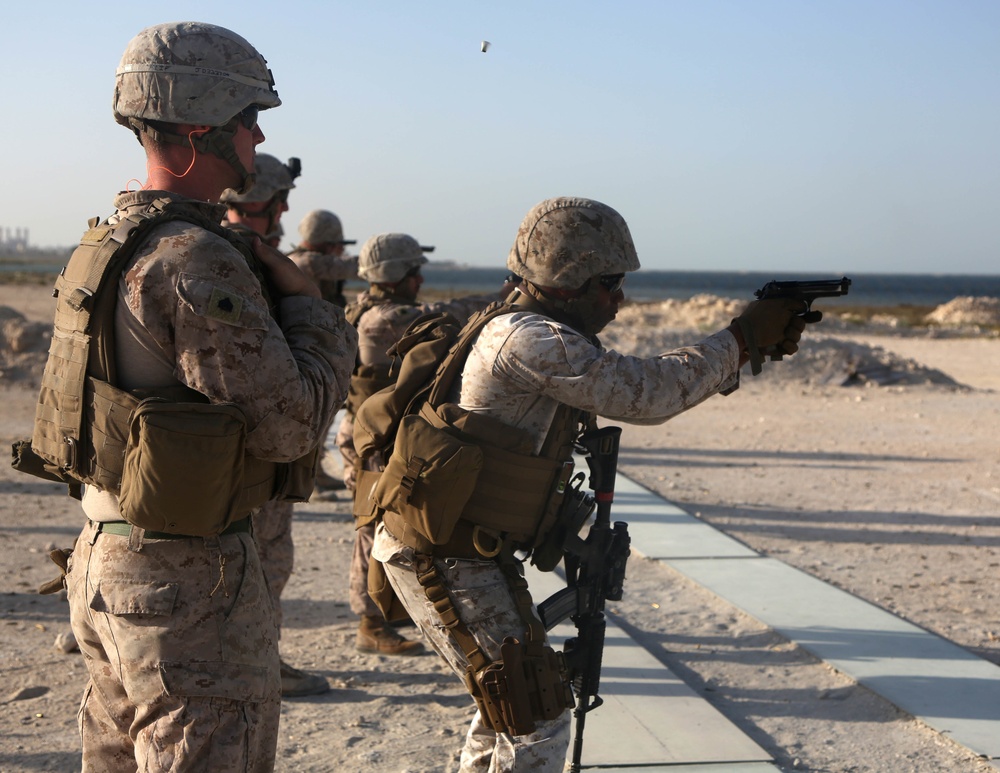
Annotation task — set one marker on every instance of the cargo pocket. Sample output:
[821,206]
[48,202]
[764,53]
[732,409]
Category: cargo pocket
[215,679]
[139,599]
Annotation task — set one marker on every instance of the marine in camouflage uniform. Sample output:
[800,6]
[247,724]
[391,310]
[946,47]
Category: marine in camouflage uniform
[573,255]
[178,632]
[322,257]
[257,213]
[321,254]
[391,263]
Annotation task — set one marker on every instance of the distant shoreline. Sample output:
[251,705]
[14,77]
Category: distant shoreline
[906,296]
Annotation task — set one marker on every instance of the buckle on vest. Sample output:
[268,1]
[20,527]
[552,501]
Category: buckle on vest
[486,552]
[413,469]
[80,299]
[70,454]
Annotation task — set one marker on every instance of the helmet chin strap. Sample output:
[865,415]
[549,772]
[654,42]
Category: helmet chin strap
[271,212]
[218,141]
[579,311]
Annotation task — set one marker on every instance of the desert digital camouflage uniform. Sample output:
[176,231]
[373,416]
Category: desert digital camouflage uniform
[272,522]
[321,254]
[179,635]
[379,329]
[321,267]
[522,366]
[520,369]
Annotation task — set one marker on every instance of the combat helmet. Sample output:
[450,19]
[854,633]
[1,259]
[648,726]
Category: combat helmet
[274,179]
[565,241]
[389,257]
[320,226]
[192,73]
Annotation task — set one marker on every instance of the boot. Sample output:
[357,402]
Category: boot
[296,683]
[375,635]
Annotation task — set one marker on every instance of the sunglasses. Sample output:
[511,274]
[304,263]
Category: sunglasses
[612,282]
[248,116]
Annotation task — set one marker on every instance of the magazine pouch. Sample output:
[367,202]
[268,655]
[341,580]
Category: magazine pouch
[429,478]
[183,469]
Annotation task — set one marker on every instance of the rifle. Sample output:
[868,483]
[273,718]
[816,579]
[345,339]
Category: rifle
[595,573]
[806,291]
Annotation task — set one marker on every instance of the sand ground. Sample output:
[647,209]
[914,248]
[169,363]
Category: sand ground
[889,492]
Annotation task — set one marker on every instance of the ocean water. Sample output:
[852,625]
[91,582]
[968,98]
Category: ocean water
[643,285]
[648,285]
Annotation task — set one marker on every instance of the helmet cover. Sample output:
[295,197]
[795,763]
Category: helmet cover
[322,227]
[388,257]
[190,72]
[565,241]
[271,177]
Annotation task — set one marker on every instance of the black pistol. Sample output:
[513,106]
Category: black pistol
[807,291]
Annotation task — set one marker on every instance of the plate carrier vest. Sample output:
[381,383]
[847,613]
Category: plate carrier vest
[82,419]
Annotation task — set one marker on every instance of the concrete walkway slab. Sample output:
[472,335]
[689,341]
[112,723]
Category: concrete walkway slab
[651,720]
[944,685]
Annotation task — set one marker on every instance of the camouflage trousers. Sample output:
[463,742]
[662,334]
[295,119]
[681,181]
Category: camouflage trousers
[482,597]
[182,654]
[272,530]
[361,602]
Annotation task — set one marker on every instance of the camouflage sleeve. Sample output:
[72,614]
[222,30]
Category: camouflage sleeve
[555,361]
[327,268]
[199,301]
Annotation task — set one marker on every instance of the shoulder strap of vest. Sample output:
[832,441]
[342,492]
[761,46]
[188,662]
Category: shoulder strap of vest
[90,277]
[455,360]
[86,285]
[567,422]
[355,311]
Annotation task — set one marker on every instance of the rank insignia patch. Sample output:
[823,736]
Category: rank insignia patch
[224,306]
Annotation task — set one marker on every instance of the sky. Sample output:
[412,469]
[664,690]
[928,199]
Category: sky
[831,136]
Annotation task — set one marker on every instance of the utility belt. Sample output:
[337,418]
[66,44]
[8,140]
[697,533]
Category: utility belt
[126,529]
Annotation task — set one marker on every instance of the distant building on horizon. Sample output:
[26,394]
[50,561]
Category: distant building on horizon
[13,239]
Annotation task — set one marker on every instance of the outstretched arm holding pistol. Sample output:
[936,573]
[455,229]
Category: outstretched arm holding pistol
[761,328]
